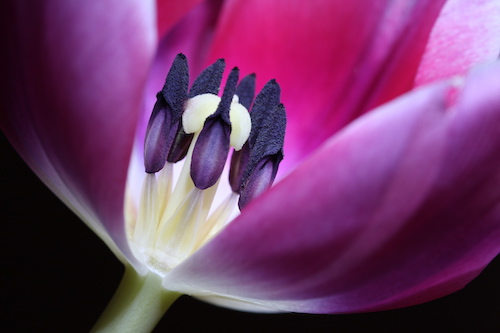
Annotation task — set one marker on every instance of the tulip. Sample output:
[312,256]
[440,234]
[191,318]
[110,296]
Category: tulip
[388,194]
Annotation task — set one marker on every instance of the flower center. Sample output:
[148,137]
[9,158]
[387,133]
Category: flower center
[175,218]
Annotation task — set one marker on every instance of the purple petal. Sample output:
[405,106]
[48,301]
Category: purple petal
[399,208]
[73,78]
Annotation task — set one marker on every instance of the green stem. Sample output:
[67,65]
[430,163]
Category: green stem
[137,306]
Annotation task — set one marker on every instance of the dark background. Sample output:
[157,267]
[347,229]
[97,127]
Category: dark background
[59,276]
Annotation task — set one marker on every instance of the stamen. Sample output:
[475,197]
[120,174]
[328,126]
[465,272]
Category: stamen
[265,156]
[239,161]
[208,82]
[164,121]
[212,147]
[246,91]
[264,104]
[156,144]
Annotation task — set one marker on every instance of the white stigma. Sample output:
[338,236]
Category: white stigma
[202,106]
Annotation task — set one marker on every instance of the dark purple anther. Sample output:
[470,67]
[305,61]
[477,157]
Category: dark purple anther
[208,82]
[265,102]
[246,90]
[180,145]
[176,85]
[259,180]
[212,147]
[265,156]
[156,141]
[239,161]
[210,154]
[166,115]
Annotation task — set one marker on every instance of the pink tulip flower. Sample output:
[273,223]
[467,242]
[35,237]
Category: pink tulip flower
[388,195]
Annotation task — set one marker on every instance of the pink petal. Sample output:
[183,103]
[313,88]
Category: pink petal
[73,78]
[169,12]
[334,59]
[466,33]
[399,208]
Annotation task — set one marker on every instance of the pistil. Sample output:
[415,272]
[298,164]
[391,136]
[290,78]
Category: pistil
[198,128]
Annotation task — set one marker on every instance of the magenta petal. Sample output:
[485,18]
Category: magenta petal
[73,76]
[399,208]
[169,12]
[335,60]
